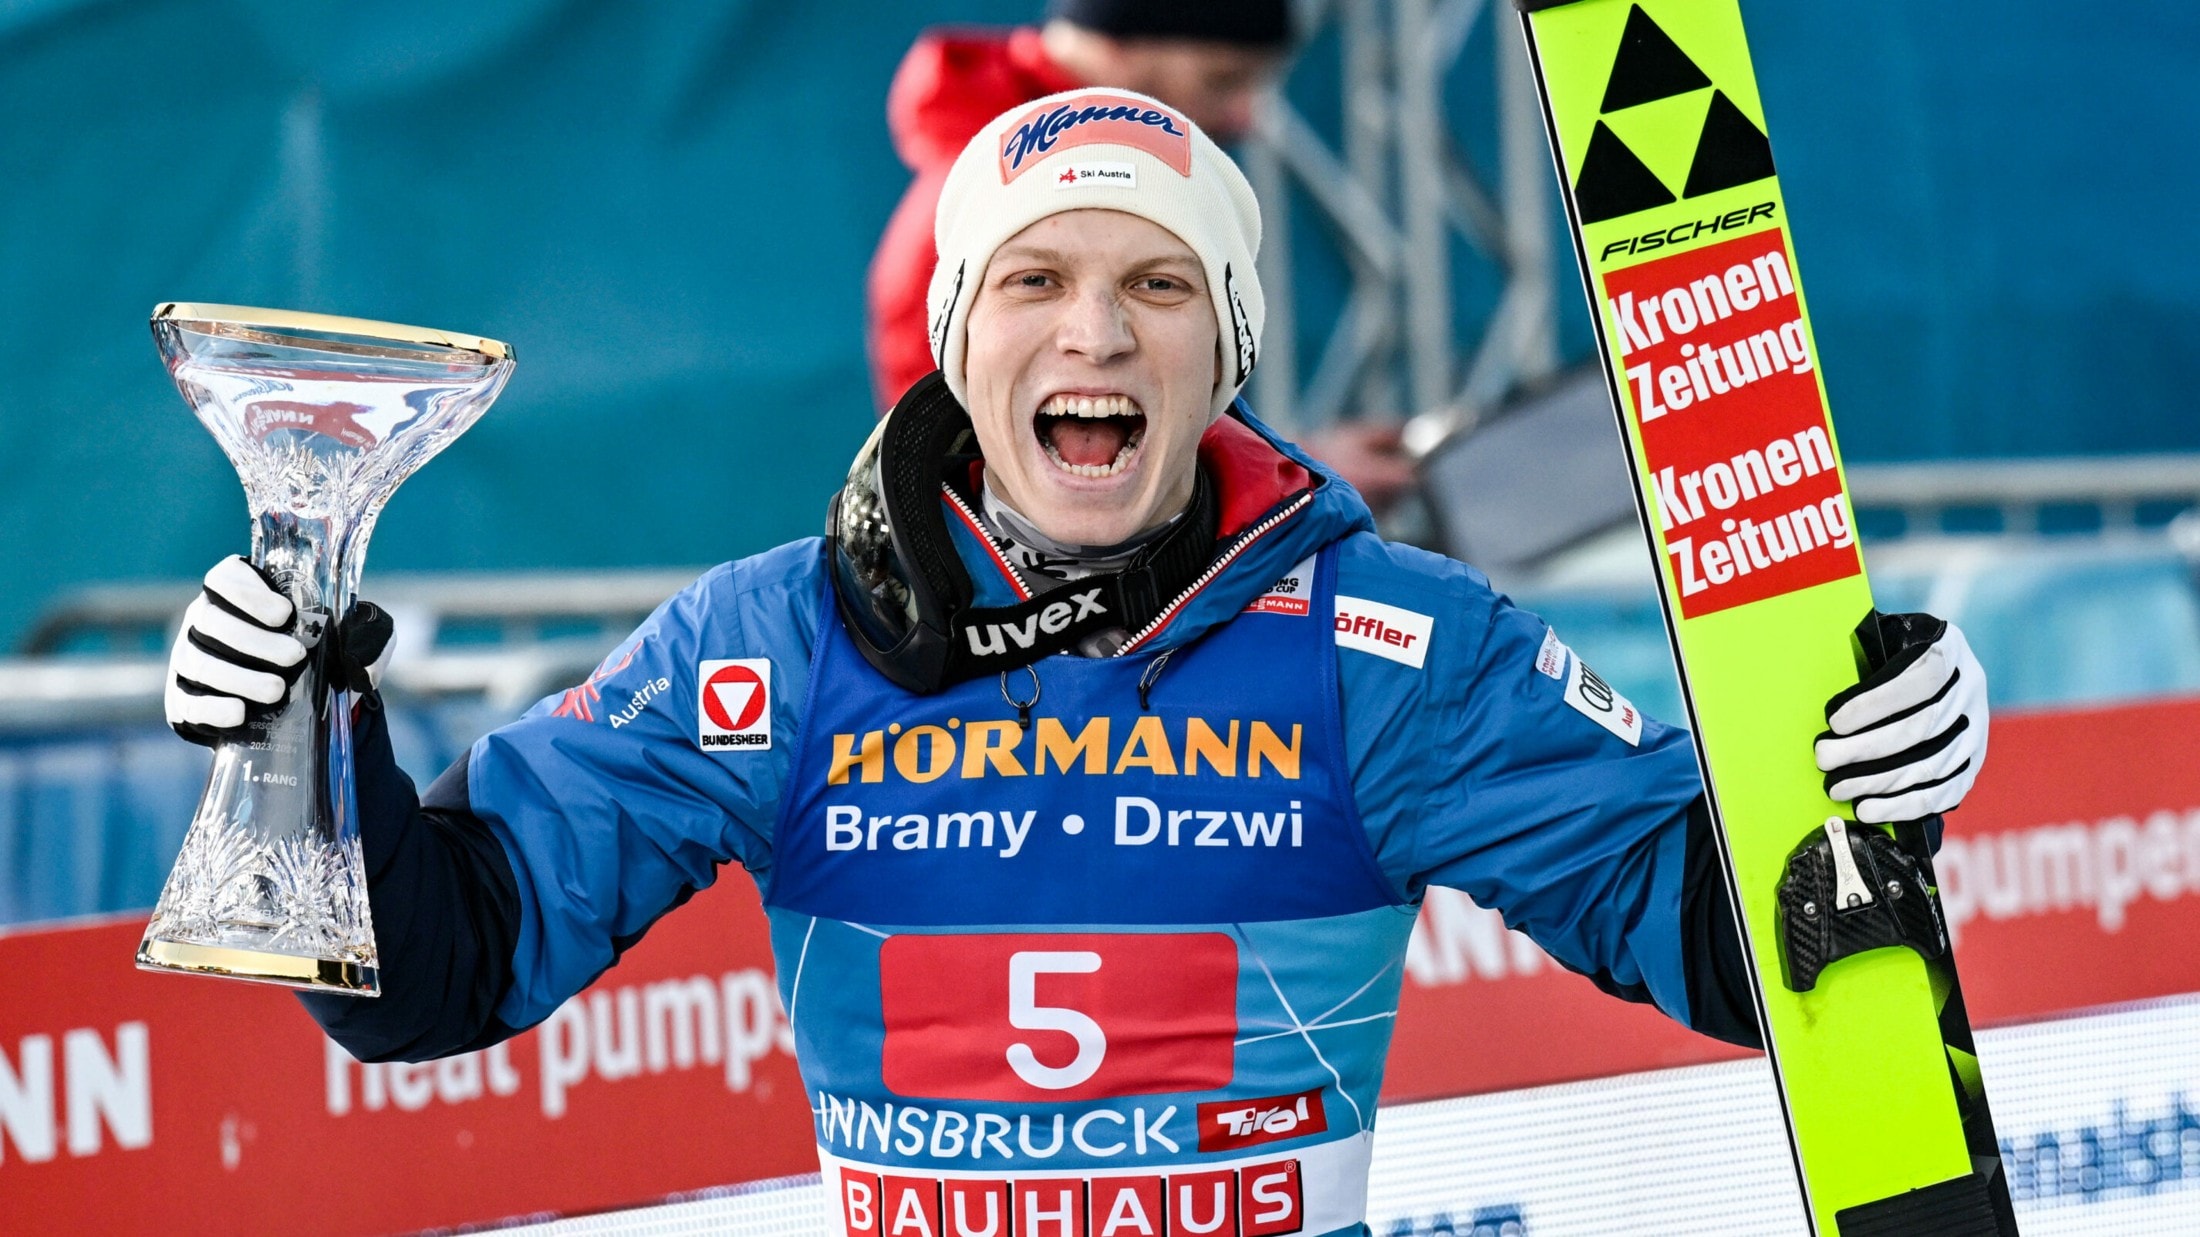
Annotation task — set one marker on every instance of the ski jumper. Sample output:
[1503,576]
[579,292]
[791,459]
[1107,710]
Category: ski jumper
[1137,959]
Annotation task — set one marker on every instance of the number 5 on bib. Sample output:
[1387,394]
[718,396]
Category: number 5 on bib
[1026,1014]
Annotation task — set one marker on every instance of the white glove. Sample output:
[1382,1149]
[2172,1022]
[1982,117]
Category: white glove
[236,653]
[1908,741]
[235,650]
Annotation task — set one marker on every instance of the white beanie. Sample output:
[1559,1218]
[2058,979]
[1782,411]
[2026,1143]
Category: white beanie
[1103,149]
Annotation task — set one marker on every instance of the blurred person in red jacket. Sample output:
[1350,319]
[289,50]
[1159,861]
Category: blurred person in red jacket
[1212,59]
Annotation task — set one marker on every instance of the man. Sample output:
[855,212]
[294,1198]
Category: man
[1210,60]
[1091,769]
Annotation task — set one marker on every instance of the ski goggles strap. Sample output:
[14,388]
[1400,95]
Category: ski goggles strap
[991,639]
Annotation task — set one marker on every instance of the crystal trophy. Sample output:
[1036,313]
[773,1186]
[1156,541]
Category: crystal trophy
[322,417]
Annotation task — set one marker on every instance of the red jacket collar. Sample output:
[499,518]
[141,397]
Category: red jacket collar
[1250,476]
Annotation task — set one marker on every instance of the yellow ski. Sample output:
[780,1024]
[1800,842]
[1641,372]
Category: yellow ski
[1660,141]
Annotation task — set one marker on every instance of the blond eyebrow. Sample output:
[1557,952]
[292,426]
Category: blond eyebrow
[1186,259]
[1033,253]
[1057,257]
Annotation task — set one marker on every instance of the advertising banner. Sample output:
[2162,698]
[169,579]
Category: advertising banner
[131,1101]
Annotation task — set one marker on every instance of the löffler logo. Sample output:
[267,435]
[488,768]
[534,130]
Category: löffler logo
[1090,119]
[733,703]
[1386,631]
[1717,366]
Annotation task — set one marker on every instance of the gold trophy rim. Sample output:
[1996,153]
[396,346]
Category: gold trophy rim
[259,966]
[303,320]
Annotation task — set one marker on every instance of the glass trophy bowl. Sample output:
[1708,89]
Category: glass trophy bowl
[322,417]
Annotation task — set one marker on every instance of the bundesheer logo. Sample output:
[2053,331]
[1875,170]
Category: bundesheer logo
[734,704]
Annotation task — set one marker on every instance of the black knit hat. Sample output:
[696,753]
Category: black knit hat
[1250,23]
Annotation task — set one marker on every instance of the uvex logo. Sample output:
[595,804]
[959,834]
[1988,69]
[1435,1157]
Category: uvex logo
[993,639]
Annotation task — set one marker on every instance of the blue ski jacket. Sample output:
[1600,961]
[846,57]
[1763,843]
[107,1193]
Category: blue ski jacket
[1481,754]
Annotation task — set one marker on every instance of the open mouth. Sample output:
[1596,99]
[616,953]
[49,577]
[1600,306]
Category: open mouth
[1090,435]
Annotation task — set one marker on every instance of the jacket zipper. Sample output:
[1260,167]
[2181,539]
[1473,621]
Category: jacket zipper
[1015,577]
[1222,561]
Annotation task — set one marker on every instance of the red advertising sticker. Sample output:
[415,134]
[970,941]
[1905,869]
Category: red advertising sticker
[1202,1204]
[1050,1207]
[909,1205]
[975,1207]
[1269,1203]
[1232,1125]
[1067,1016]
[1718,366]
[859,1202]
[1127,1206]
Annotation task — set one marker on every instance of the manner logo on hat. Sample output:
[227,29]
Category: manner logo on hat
[1091,119]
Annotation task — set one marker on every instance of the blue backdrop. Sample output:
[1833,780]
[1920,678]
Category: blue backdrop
[668,208]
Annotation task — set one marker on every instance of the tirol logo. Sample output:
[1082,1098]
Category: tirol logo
[1717,365]
[580,702]
[1231,1125]
[1654,87]
[734,703]
[1090,119]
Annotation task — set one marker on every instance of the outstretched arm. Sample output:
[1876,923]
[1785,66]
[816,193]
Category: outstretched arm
[446,914]
[551,847]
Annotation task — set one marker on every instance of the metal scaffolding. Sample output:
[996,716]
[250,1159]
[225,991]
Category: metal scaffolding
[1404,206]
